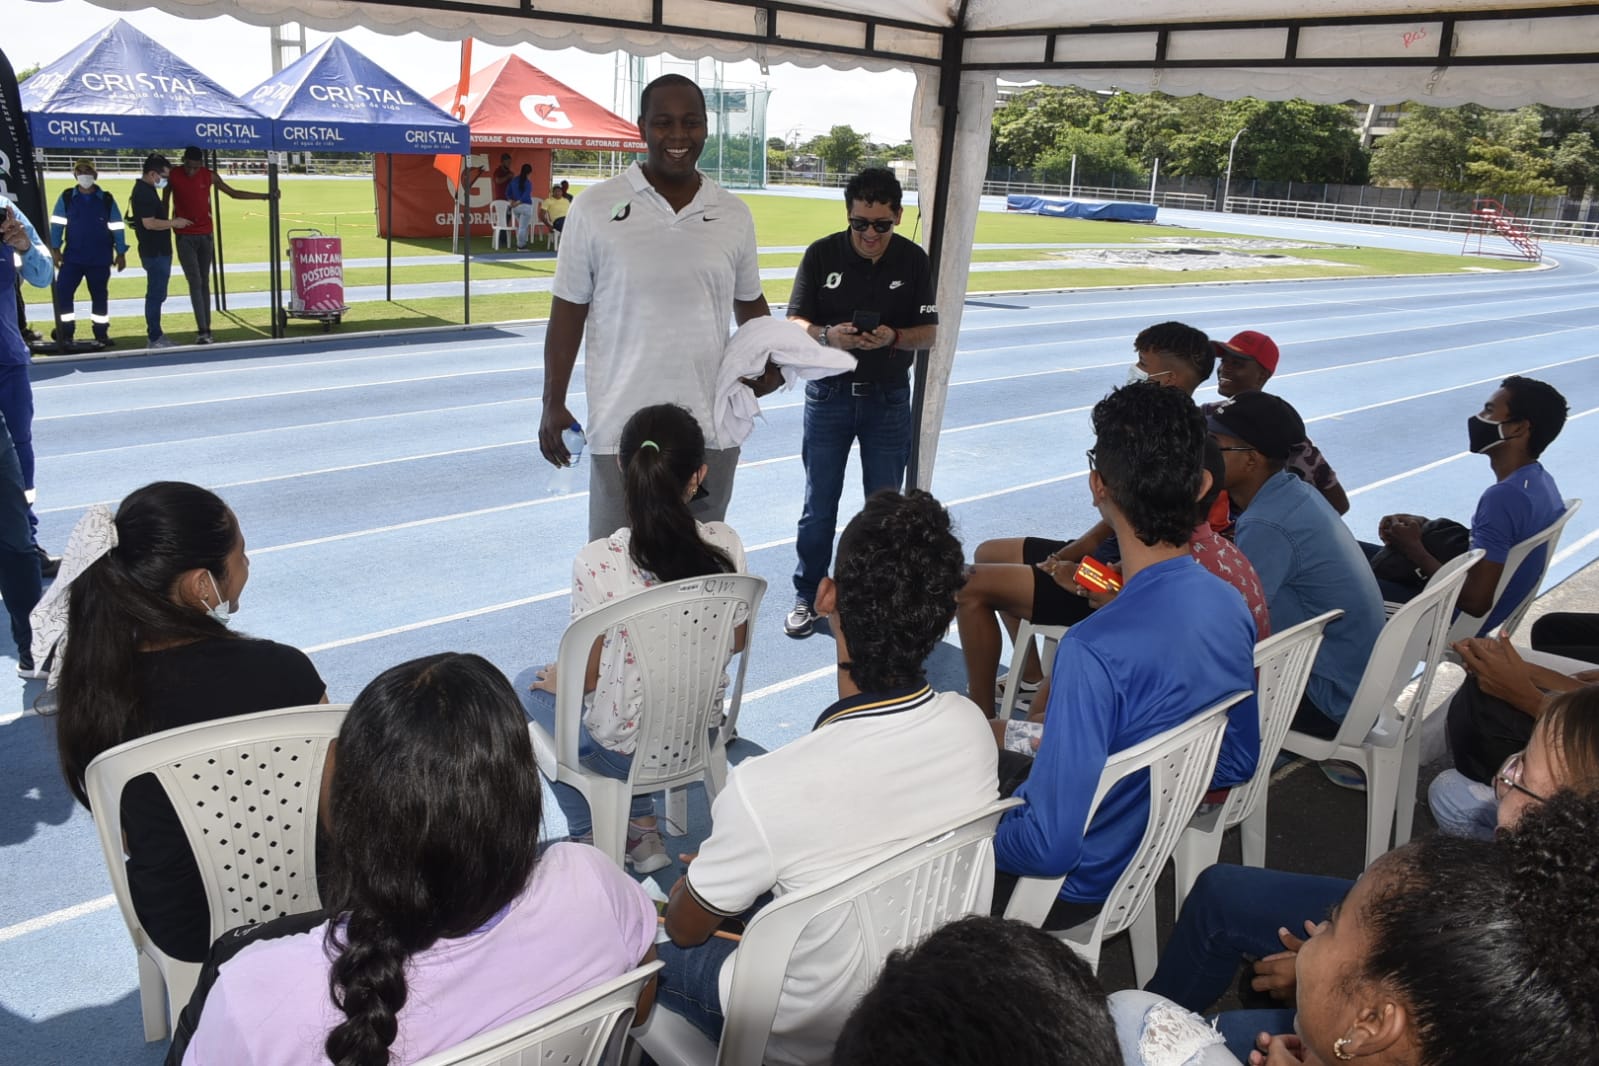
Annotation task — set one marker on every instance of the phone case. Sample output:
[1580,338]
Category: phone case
[1097,576]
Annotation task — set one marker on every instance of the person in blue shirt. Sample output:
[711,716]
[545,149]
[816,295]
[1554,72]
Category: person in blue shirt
[1307,560]
[1515,425]
[20,579]
[1173,642]
[520,192]
[91,222]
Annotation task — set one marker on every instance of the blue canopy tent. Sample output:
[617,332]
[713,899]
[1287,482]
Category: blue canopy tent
[333,98]
[122,90]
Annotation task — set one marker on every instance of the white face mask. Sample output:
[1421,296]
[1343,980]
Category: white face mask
[161,183]
[86,181]
[223,611]
[1137,375]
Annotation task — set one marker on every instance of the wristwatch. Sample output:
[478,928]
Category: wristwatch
[821,338]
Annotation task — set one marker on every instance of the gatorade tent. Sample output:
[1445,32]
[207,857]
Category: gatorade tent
[1438,52]
[334,99]
[512,107]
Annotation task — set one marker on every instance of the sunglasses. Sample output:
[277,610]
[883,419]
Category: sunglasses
[861,225]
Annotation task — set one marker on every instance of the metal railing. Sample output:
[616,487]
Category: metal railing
[1446,221]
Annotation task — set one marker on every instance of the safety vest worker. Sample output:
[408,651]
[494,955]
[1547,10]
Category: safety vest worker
[87,218]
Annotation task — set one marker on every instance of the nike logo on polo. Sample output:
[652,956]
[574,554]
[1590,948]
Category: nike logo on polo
[710,218]
[895,284]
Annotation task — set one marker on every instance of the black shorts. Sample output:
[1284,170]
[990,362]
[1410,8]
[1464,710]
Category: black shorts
[1052,605]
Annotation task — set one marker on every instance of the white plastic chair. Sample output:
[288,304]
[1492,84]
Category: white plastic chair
[588,1029]
[500,223]
[1380,733]
[1025,633]
[1181,762]
[681,636]
[897,900]
[1467,625]
[246,791]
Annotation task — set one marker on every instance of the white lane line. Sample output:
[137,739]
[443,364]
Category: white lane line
[1452,388]
[65,914]
[441,620]
[289,392]
[794,682]
[1402,475]
[1572,549]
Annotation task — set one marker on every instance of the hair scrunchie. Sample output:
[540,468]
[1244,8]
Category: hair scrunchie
[94,536]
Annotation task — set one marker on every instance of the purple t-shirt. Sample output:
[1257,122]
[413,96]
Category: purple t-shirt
[580,922]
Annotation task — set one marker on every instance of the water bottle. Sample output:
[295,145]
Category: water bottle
[563,479]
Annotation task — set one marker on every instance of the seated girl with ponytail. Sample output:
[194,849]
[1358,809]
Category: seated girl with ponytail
[443,920]
[138,623]
[662,452]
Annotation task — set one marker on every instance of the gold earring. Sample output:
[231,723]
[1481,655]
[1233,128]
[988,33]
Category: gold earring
[1341,1048]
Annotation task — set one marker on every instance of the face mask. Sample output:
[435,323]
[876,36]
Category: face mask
[1484,433]
[223,611]
[161,183]
[86,181]
[1137,375]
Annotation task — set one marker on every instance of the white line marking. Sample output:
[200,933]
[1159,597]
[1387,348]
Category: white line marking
[1572,549]
[793,682]
[54,918]
[441,620]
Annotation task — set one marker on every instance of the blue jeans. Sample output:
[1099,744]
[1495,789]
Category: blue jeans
[837,413]
[20,583]
[1233,912]
[688,985]
[157,272]
[1240,1027]
[1463,807]
[540,708]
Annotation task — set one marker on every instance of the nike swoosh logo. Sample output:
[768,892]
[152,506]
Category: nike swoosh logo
[895,284]
[708,218]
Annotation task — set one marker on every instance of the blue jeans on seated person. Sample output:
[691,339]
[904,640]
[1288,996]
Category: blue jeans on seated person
[540,708]
[835,417]
[1234,912]
[689,982]
[1463,807]
[1239,1028]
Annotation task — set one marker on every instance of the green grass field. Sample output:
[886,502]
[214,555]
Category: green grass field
[347,208]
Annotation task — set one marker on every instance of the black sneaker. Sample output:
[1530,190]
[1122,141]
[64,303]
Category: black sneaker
[204,338]
[26,669]
[49,565]
[801,621]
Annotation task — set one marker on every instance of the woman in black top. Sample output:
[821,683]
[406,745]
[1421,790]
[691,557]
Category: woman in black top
[149,649]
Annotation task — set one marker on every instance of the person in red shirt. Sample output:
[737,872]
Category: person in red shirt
[189,187]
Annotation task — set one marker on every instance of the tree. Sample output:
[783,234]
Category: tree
[1575,163]
[776,144]
[1510,158]
[840,148]
[1102,158]
[1031,123]
[1429,148]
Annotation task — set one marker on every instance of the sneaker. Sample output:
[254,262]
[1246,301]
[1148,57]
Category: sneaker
[104,342]
[161,342]
[1026,691]
[26,669]
[204,338]
[801,621]
[646,853]
[49,565]
[1344,775]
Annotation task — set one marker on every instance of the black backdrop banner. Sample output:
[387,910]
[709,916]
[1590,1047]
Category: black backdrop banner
[18,179]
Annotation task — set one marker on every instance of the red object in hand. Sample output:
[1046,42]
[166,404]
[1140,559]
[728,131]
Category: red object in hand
[1096,576]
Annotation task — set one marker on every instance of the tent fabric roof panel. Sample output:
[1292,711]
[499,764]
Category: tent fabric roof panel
[512,104]
[333,98]
[121,89]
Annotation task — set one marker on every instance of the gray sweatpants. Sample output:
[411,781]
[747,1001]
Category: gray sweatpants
[195,254]
[608,509]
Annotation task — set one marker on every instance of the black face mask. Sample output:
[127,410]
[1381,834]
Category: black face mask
[1483,433]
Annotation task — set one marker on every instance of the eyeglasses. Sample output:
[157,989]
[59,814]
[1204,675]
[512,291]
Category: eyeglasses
[1509,779]
[1092,459]
[881,225]
[1234,448]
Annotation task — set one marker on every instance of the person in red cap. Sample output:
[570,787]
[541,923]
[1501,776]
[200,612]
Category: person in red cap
[1245,364]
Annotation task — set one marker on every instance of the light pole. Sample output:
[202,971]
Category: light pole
[1227,189]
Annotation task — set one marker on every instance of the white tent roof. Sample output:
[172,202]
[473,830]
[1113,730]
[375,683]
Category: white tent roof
[1438,51]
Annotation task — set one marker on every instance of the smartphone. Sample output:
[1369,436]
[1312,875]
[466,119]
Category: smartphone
[866,321]
[1095,576]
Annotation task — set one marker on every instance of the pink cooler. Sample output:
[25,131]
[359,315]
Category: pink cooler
[316,274]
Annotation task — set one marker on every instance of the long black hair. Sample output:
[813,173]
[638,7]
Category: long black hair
[123,602]
[435,811]
[662,449]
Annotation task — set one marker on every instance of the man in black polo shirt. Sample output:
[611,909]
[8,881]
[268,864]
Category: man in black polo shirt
[869,291]
[153,230]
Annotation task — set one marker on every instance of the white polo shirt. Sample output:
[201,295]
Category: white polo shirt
[660,287]
[878,770]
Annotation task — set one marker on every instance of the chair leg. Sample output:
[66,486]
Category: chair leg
[1382,787]
[1196,850]
[1405,800]
[1252,833]
[608,805]
[1146,952]
[152,999]
[677,810]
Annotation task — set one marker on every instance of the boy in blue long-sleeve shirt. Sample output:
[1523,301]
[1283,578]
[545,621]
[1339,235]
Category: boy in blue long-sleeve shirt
[1172,643]
[88,218]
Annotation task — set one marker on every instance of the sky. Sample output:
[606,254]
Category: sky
[804,102]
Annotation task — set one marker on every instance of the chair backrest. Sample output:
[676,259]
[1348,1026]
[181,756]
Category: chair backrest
[588,1029]
[246,790]
[1548,538]
[1414,636]
[1282,669]
[896,901]
[680,636]
[500,214]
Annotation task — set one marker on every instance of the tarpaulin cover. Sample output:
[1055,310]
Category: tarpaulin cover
[1103,210]
[334,99]
[120,89]
[512,104]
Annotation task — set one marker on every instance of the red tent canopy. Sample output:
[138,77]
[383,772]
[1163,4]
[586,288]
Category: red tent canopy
[513,104]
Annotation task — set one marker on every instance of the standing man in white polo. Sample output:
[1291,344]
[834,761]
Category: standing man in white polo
[653,264]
